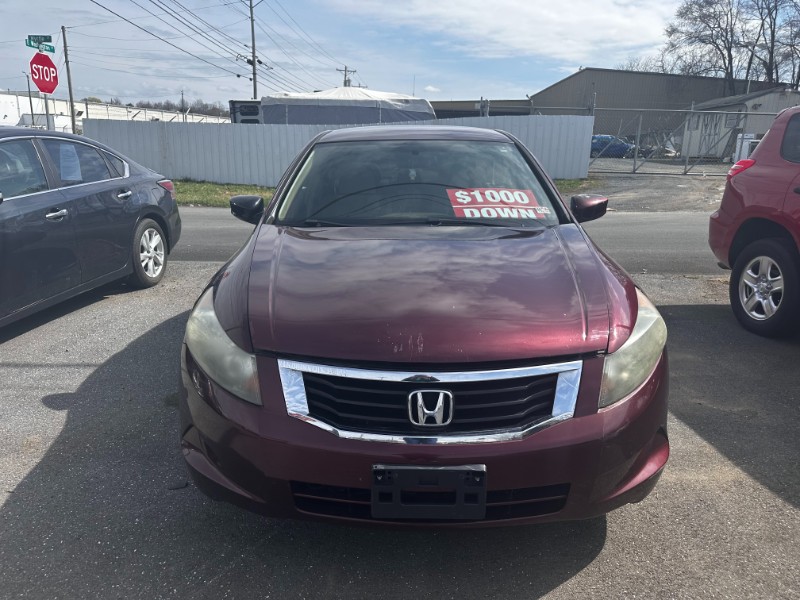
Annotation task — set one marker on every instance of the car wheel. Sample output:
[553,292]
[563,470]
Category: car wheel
[149,254]
[765,288]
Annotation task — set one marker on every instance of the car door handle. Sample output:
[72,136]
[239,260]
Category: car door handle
[56,216]
[123,195]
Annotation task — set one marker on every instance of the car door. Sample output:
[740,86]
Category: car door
[106,210]
[38,258]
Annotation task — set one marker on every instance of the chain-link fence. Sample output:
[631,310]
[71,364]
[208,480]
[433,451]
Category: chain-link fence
[673,141]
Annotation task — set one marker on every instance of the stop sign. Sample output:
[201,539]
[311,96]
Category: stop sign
[44,73]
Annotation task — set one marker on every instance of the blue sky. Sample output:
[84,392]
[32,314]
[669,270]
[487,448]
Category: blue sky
[440,50]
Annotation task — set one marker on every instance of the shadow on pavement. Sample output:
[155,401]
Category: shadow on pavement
[743,398]
[62,308]
[107,513]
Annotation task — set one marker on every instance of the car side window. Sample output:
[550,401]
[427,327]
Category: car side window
[117,164]
[790,147]
[21,172]
[76,163]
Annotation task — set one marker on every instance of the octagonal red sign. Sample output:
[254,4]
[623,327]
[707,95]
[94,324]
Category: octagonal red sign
[44,73]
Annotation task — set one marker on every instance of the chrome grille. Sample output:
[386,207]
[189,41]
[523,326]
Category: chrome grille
[382,406]
[488,406]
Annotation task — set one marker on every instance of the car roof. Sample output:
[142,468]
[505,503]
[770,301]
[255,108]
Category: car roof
[14,132]
[29,132]
[413,132]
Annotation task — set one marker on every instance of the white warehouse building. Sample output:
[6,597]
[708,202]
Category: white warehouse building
[37,110]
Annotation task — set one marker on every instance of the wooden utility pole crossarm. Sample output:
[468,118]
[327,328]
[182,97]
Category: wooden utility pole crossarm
[346,78]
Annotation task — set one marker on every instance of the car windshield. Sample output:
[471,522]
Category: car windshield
[435,182]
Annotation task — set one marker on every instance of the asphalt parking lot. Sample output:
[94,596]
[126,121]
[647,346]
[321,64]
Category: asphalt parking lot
[95,503]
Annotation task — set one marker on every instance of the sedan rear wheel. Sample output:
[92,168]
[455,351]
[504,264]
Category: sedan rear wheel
[149,254]
[765,288]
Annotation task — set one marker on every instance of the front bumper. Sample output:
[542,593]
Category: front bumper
[262,459]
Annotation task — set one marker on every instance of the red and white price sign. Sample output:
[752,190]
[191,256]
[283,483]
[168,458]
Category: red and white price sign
[496,203]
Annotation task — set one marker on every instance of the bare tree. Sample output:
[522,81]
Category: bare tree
[789,43]
[650,64]
[706,37]
[762,38]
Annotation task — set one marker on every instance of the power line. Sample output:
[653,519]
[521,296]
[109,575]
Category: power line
[311,56]
[209,25]
[195,30]
[233,52]
[128,60]
[303,82]
[313,43]
[119,39]
[166,41]
[149,74]
[138,18]
[259,69]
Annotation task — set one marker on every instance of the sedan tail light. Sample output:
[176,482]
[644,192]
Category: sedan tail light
[169,186]
[740,166]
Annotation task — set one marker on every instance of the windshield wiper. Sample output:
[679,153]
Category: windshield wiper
[453,222]
[318,223]
[431,221]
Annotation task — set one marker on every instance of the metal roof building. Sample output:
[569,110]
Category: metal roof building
[607,89]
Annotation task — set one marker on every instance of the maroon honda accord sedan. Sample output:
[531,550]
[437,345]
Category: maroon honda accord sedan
[420,332]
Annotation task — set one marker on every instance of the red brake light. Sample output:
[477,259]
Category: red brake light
[169,186]
[740,166]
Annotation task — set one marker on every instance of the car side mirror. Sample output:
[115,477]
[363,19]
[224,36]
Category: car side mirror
[588,207]
[247,208]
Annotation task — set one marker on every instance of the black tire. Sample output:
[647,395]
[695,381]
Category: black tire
[765,288]
[149,254]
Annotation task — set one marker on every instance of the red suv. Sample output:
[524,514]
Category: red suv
[756,231]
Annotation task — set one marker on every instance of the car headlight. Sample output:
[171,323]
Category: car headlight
[223,361]
[627,368]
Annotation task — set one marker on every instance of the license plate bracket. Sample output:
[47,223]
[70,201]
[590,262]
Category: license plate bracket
[429,493]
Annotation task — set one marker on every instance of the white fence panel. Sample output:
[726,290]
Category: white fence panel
[561,143]
[259,154]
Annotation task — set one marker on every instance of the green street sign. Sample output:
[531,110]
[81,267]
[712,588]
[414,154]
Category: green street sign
[41,46]
[40,39]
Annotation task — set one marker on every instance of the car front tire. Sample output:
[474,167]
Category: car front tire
[149,254]
[765,288]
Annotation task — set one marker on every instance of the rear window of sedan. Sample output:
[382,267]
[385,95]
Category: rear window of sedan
[76,163]
[417,182]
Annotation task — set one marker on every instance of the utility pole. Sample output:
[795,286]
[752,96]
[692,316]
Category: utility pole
[69,81]
[346,78]
[253,48]
[30,99]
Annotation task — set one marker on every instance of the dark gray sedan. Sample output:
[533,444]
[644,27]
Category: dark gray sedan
[75,215]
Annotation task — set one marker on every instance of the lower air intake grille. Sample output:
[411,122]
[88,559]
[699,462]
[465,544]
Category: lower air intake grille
[354,503]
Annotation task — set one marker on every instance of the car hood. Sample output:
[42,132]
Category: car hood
[427,294]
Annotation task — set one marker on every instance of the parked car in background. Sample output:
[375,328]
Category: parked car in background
[75,214]
[419,331]
[610,146]
[756,231]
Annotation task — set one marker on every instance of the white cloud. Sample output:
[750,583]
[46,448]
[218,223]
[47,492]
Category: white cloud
[580,31]
[432,89]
